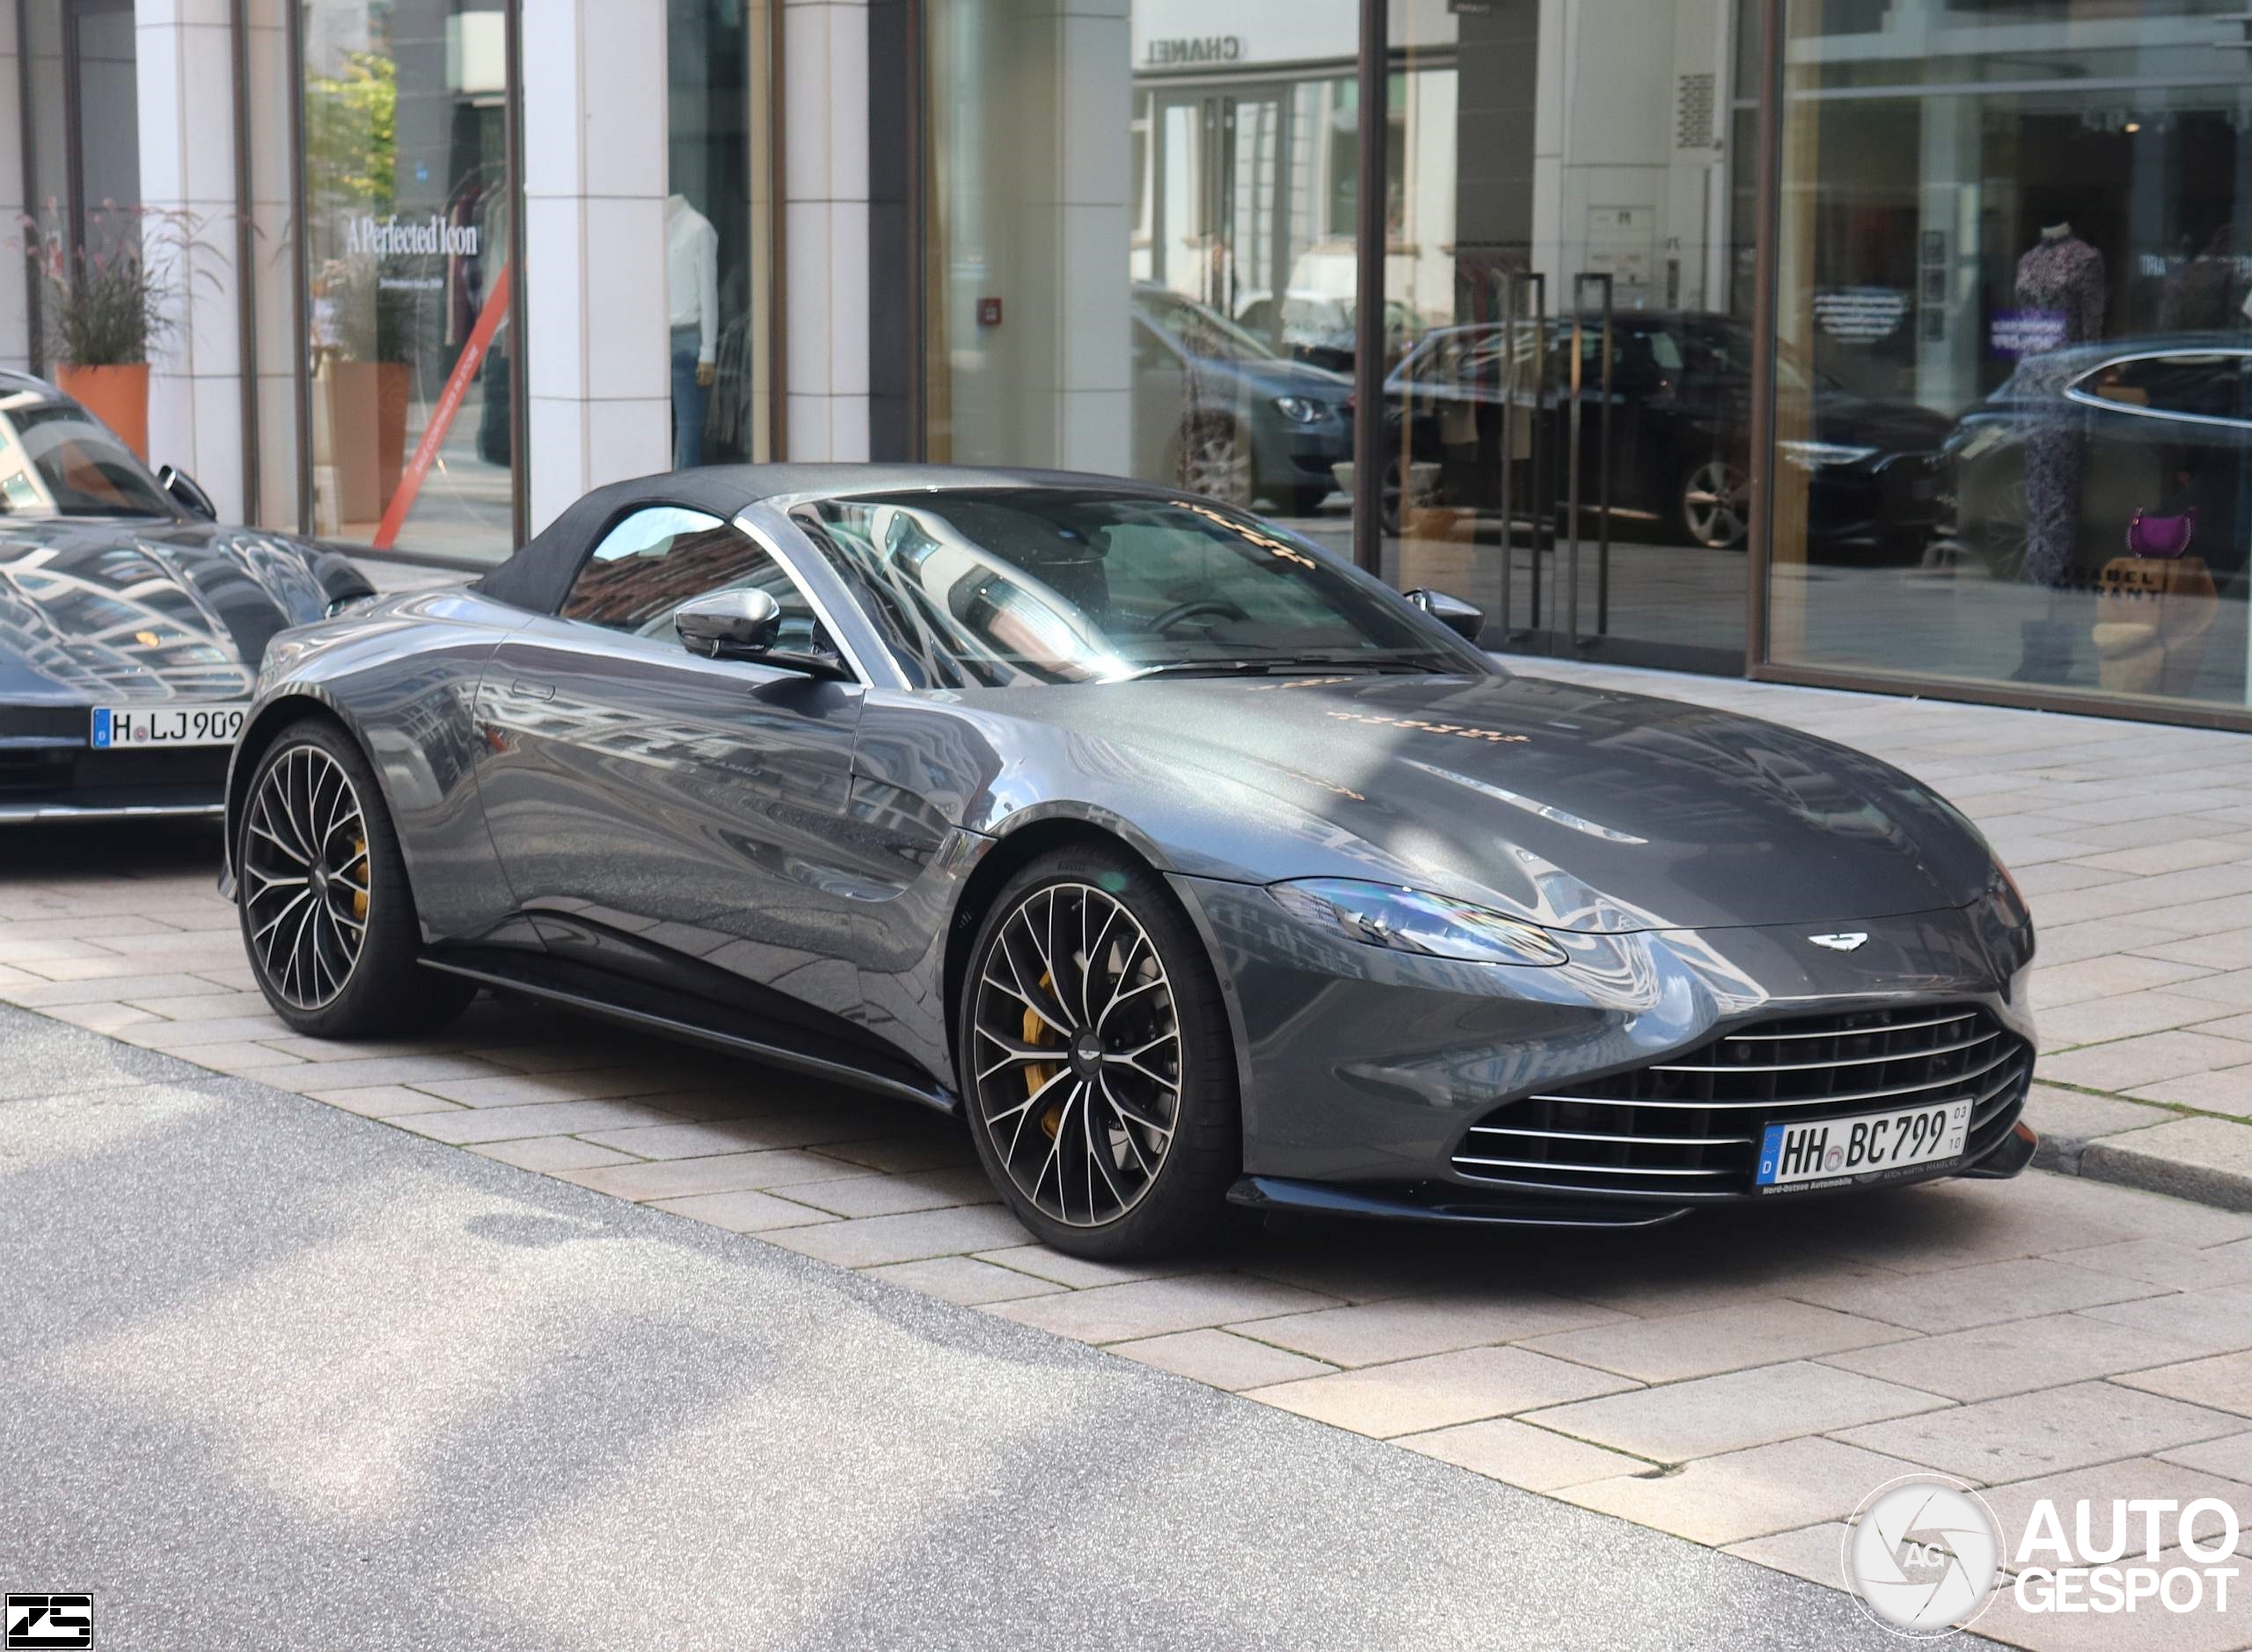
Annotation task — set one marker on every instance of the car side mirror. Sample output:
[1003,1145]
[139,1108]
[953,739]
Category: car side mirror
[745,624]
[1462,618]
[740,624]
[183,492]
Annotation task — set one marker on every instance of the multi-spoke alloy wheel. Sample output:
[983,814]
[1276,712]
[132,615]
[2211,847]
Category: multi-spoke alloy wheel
[306,877]
[322,891]
[1077,1054]
[1717,505]
[1216,459]
[1095,1061]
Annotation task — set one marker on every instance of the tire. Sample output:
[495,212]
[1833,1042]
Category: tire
[1714,510]
[314,823]
[1077,1144]
[1212,457]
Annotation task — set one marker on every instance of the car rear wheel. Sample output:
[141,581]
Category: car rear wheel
[321,891]
[1094,1060]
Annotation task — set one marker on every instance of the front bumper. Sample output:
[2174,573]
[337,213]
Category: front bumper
[1364,1071]
[47,779]
[1461,1207]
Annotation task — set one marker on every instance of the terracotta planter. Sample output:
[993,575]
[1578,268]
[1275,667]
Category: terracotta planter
[117,396]
[366,411]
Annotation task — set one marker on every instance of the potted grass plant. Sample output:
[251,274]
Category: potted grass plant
[102,309]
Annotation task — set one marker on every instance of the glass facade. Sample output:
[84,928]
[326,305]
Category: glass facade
[1910,347]
[1974,417]
[406,200]
[2015,432]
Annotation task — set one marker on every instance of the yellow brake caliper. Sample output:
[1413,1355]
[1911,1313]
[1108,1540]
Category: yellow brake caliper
[360,894]
[1039,1073]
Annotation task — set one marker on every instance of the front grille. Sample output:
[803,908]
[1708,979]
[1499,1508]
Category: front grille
[1688,1128]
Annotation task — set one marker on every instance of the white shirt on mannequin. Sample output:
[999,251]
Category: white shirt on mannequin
[693,274]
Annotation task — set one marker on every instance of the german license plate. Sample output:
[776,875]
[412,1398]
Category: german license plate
[116,725]
[1867,1147]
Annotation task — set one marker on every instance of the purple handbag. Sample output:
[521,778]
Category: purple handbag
[2162,536]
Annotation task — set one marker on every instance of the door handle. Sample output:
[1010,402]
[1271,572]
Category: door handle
[531,691]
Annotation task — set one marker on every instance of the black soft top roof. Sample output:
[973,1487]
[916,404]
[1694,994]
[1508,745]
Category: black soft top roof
[539,575]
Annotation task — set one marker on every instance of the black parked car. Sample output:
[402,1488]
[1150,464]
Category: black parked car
[131,625]
[1219,411]
[2157,425]
[1681,396]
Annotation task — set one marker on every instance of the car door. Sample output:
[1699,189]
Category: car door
[665,814]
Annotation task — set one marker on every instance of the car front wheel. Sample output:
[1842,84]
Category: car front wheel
[1717,505]
[1095,1063]
[321,890]
[1215,459]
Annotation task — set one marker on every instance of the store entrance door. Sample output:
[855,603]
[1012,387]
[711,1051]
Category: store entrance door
[1566,431]
[1580,473]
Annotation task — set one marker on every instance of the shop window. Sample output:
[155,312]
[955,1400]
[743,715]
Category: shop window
[408,199]
[2021,453]
[717,250]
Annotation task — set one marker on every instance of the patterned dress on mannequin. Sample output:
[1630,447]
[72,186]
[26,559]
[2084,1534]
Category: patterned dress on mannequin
[2063,276]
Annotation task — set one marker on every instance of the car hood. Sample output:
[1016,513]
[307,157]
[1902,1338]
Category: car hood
[1279,377]
[95,610]
[1888,425]
[1574,807]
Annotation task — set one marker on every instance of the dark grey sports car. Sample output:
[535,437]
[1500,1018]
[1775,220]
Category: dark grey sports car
[1186,862]
[131,625]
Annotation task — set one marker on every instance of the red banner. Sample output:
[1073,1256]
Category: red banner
[441,416]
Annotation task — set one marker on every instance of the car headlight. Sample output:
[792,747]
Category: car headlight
[1301,410]
[1413,920]
[2011,899]
[1817,456]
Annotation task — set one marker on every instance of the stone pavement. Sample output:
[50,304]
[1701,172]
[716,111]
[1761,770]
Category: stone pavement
[278,1376]
[1742,1379]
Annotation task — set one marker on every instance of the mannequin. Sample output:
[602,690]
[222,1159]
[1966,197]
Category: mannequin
[692,283]
[2063,277]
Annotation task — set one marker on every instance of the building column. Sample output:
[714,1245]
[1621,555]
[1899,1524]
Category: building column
[826,226]
[186,97]
[15,275]
[598,359]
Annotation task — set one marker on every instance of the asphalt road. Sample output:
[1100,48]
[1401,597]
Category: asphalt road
[279,1376]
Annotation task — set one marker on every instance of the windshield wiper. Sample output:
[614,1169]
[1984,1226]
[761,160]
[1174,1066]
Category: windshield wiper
[1265,664]
[1199,668]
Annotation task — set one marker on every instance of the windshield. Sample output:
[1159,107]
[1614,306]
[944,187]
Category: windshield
[1202,332]
[55,460]
[1034,585]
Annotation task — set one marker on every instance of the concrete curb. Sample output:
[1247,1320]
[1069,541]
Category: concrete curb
[2136,1144]
[2206,1160]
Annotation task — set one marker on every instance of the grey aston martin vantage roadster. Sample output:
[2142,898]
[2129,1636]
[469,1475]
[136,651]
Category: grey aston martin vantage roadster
[1188,865]
[131,624]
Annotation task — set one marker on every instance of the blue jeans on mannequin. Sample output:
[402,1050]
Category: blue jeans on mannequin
[689,400]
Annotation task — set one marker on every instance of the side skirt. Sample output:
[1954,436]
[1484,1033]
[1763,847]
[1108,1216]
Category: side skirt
[713,1026]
